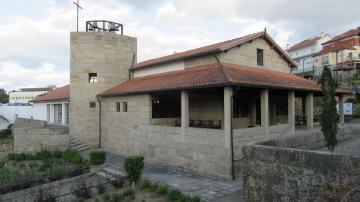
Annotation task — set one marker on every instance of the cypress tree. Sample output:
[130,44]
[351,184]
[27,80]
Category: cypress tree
[329,116]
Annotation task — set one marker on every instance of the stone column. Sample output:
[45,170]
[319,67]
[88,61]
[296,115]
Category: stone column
[291,111]
[264,102]
[341,109]
[252,112]
[184,109]
[309,111]
[228,91]
[63,114]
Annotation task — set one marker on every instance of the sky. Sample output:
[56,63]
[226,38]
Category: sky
[34,34]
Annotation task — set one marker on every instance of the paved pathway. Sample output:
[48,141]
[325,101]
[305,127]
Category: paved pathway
[350,147]
[207,187]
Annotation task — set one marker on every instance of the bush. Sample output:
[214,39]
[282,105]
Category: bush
[129,194]
[118,183]
[57,154]
[21,157]
[72,156]
[106,197]
[161,189]
[134,166]
[116,197]
[5,133]
[81,189]
[97,157]
[101,188]
[174,194]
[43,154]
[145,184]
[45,196]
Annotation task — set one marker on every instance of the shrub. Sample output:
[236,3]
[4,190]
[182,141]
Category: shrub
[57,154]
[174,194]
[101,188]
[145,184]
[45,196]
[129,194]
[106,197]
[81,189]
[116,197]
[72,156]
[5,133]
[43,154]
[97,157]
[118,183]
[134,166]
[161,189]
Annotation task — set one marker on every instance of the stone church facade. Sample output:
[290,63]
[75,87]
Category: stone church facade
[193,109]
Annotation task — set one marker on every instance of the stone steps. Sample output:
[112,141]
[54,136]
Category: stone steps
[109,174]
[76,145]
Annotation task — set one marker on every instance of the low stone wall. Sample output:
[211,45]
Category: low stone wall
[34,135]
[273,171]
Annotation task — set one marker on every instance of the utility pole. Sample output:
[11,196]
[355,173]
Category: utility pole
[77,14]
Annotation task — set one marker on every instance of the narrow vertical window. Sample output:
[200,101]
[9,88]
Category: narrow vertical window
[124,107]
[57,113]
[260,57]
[48,112]
[118,107]
[92,104]
[93,77]
[66,113]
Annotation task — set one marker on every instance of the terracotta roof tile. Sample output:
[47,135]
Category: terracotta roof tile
[62,93]
[211,76]
[305,43]
[347,34]
[213,48]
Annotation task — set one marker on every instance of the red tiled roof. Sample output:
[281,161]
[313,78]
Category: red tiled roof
[215,48]
[336,46]
[211,76]
[62,93]
[347,34]
[305,43]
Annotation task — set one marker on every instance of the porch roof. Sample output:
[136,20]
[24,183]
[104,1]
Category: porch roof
[214,75]
[62,93]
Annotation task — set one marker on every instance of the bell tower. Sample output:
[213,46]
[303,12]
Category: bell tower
[100,58]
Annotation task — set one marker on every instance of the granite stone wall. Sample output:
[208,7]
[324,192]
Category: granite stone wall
[34,135]
[280,170]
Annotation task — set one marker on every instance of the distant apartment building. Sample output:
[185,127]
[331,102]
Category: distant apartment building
[25,95]
[342,54]
[303,54]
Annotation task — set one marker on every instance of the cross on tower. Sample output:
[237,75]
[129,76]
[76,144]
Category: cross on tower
[77,14]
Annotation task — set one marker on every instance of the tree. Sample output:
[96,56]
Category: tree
[329,118]
[4,97]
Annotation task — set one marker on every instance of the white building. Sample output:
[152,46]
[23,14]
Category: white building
[303,53]
[53,106]
[25,95]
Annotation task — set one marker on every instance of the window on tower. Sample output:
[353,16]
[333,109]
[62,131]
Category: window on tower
[93,77]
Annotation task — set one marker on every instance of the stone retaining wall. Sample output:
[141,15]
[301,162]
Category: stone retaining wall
[34,135]
[274,172]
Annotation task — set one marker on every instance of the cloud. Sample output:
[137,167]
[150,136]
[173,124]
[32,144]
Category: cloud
[15,76]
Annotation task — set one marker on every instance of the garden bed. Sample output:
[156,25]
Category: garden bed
[25,170]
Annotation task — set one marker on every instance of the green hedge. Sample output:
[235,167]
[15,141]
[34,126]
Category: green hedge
[134,166]
[73,156]
[97,157]
[5,133]
[69,155]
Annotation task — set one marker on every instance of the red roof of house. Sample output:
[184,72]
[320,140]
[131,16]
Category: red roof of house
[215,48]
[336,46]
[214,75]
[62,93]
[305,43]
[347,34]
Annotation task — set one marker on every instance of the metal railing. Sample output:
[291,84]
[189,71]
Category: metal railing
[104,26]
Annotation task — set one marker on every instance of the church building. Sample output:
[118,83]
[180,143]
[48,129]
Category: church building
[194,109]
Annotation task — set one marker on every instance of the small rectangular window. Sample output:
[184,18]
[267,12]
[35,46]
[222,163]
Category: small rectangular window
[260,57]
[93,77]
[124,107]
[92,104]
[118,107]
